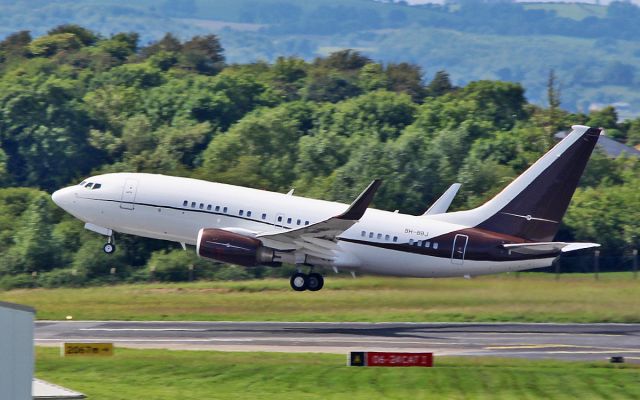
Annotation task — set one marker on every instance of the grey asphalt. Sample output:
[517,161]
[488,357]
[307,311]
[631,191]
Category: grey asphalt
[536,341]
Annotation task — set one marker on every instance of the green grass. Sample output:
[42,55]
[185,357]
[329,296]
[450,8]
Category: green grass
[165,374]
[575,11]
[533,297]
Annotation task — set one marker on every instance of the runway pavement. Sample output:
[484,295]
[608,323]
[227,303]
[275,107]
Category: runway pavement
[551,341]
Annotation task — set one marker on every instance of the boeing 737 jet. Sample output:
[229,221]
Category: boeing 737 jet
[511,232]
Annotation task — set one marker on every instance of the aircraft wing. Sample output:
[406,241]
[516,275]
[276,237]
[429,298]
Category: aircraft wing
[442,204]
[318,239]
[547,247]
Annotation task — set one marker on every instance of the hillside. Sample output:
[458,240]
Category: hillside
[594,50]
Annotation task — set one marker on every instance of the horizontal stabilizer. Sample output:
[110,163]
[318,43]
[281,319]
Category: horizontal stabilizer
[550,248]
[442,204]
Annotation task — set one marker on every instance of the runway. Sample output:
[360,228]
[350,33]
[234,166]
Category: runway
[536,341]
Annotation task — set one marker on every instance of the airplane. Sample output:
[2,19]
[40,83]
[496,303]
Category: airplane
[513,231]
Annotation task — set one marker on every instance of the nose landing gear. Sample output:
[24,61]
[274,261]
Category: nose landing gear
[110,246]
[301,282]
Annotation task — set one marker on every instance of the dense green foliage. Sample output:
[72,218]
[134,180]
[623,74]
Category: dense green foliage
[593,48]
[74,103]
[167,375]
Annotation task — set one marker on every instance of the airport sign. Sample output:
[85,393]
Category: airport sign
[87,349]
[390,359]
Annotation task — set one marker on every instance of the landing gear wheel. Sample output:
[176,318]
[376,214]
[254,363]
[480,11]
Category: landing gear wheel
[109,248]
[298,281]
[315,282]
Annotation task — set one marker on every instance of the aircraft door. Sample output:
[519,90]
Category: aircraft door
[459,248]
[129,194]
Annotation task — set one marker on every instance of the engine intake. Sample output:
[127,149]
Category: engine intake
[229,247]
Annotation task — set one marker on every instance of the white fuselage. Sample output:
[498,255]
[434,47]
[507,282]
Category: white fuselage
[175,209]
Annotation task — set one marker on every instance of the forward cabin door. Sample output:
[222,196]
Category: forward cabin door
[459,248]
[129,194]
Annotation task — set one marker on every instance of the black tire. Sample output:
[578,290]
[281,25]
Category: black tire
[109,248]
[299,281]
[315,282]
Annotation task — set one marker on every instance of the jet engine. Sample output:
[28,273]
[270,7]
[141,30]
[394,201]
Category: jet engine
[234,248]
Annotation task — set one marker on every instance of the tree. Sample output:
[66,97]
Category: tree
[202,54]
[407,78]
[85,36]
[440,85]
[35,249]
[553,98]
[633,134]
[168,43]
[344,60]
[47,46]
[16,45]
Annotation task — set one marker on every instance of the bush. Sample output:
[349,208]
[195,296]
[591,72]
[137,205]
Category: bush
[173,266]
[21,281]
[62,277]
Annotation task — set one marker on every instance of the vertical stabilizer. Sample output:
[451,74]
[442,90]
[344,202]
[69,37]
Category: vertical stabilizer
[533,205]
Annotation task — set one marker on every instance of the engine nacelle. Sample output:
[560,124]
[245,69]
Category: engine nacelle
[233,248]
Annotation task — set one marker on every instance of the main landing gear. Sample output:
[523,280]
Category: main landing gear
[110,246]
[300,281]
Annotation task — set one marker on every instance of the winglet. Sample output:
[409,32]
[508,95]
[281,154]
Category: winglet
[442,204]
[357,209]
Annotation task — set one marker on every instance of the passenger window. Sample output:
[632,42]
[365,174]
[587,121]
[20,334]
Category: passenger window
[379,235]
[298,222]
[217,208]
[306,222]
[193,204]
[248,213]
[280,219]
[97,186]
[395,239]
[288,220]
[363,234]
[240,212]
[435,246]
[209,207]
[427,244]
[410,241]
[386,237]
[202,206]
[370,235]
[264,216]
[224,210]
[185,203]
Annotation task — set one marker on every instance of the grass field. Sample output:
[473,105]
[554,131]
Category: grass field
[531,297]
[164,374]
[577,11]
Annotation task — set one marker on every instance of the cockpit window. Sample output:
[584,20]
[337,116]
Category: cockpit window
[82,183]
[88,185]
[97,186]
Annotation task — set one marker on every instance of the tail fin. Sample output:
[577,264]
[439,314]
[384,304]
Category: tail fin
[533,205]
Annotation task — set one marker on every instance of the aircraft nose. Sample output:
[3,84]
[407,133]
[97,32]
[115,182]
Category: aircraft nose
[63,197]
